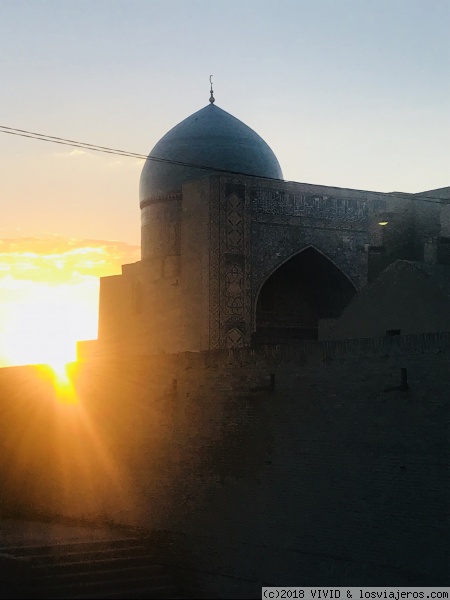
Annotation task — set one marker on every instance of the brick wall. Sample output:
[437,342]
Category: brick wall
[327,480]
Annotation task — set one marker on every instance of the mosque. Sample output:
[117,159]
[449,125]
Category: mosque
[234,255]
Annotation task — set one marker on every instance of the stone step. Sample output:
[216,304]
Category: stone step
[117,568]
[86,574]
[82,563]
[74,547]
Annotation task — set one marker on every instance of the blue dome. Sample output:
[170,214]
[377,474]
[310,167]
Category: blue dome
[210,137]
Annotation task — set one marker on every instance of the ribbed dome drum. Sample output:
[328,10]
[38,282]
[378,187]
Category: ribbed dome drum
[210,137]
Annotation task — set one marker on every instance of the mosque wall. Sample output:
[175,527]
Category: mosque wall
[259,224]
[162,302]
[194,278]
[230,269]
[405,299]
[411,222]
[445,220]
[115,304]
[208,251]
[289,217]
[160,229]
[140,313]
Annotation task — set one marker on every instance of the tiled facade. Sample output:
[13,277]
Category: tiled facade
[207,252]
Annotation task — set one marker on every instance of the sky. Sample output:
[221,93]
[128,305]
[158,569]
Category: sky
[351,93]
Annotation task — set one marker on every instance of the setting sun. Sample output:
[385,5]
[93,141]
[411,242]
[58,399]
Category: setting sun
[49,296]
[45,324]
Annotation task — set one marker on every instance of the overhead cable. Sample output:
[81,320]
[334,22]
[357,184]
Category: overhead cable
[107,150]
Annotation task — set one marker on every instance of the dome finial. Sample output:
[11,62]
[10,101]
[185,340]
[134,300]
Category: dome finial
[211,99]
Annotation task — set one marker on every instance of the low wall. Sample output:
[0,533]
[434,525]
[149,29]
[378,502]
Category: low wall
[329,479]
[306,350]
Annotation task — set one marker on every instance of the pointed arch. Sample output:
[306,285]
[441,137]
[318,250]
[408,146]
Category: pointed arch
[297,294]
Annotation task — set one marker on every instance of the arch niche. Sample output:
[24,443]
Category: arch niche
[304,289]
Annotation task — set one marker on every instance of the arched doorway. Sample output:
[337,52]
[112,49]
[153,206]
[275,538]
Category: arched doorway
[306,288]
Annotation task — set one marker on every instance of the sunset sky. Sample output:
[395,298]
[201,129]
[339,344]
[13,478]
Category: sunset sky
[348,93]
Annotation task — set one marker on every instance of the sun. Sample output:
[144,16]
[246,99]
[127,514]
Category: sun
[64,389]
[59,368]
[39,334]
[43,327]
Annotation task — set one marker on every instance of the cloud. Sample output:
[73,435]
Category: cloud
[72,153]
[127,163]
[105,160]
[57,259]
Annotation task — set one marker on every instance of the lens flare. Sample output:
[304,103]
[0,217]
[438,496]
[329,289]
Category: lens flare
[63,384]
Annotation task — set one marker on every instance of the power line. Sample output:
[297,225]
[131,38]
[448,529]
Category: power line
[86,146]
[107,150]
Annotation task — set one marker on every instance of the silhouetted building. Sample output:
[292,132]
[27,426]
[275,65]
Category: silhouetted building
[233,254]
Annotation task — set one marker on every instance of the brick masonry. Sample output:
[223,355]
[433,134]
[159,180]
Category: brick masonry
[328,480]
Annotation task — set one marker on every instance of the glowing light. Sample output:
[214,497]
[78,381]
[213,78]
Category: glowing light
[44,325]
[49,296]
[64,389]
[383,223]
[60,371]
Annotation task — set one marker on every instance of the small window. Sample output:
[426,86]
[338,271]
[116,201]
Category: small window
[392,332]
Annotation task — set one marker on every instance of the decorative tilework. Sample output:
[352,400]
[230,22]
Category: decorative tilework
[234,338]
[234,292]
[234,222]
[278,202]
[254,229]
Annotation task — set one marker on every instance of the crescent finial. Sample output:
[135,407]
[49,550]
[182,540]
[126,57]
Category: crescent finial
[211,98]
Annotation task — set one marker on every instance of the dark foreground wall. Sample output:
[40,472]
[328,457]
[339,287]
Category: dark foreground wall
[328,480]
